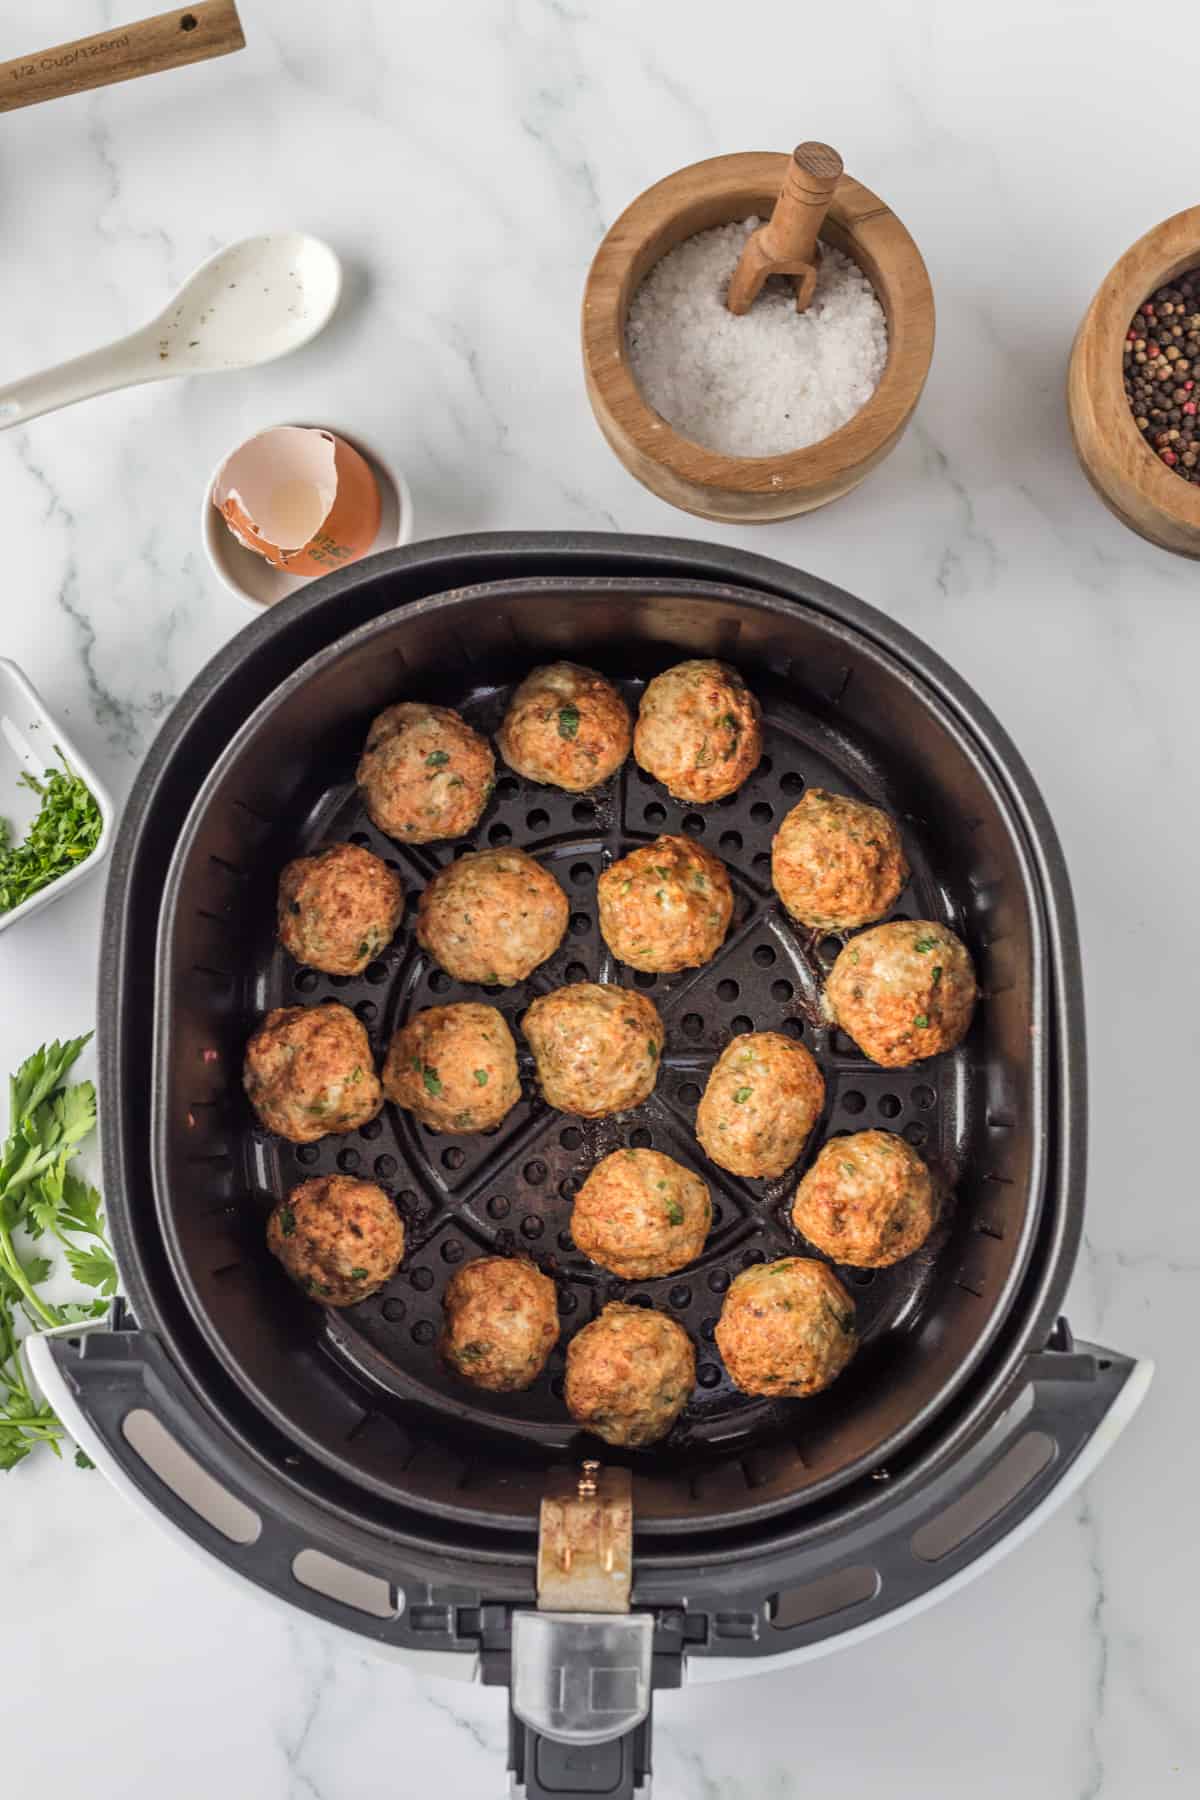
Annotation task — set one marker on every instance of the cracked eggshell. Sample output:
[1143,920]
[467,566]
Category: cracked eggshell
[301,497]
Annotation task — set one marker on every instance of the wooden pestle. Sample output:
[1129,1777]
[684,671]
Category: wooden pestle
[787,243]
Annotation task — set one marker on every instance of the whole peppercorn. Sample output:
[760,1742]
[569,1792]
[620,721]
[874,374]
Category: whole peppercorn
[1161,346]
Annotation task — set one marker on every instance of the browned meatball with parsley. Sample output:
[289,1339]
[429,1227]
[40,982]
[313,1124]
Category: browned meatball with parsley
[698,731]
[630,1373]
[566,726]
[339,1239]
[492,917]
[786,1328]
[762,1099]
[666,906]
[641,1214]
[338,909]
[501,1322]
[309,1071]
[868,1200]
[455,1067]
[596,1047]
[903,991]
[837,863]
[424,774]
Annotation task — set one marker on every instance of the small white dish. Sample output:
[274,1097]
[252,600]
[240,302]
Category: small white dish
[30,742]
[259,583]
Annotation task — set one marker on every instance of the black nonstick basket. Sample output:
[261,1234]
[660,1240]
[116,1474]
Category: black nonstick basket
[342,1431]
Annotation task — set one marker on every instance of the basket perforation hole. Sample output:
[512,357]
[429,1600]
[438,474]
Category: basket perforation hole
[859,1277]
[740,1024]
[680,1296]
[361,839]
[792,782]
[854,1102]
[693,824]
[305,981]
[708,1375]
[640,1138]
[655,813]
[499,833]
[727,990]
[349,1161]
[452,1251]
[730,842]
[423,1332]
[570,1137]
[453,1158]
[535,1172]
[421,1278]
[371,1130]
[691,1025]
[393,1310]
[890,1106]
[782,991]
[538,819]
[507,788]
[532,1226]
[439,981]
[386,1166]
[708,1329]
[924,1097]
[499,1207]
[366,1011]
[718,1280]
[582,874]
[762,813]
[307,1154]
[583,812]
[764,955]
[566,1242]
[376,972]
[580,923]
[916,1134]
[575,971]
[644,978]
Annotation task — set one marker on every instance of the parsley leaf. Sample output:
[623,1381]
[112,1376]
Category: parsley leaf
[430,1078]
[42,1198]
[437,759]
[568,721]
[481,1077]
[742,1094]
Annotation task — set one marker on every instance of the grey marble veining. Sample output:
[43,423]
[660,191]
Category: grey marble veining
[465,161]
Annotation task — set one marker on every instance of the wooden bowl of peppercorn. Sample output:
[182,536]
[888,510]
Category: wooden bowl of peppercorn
[1133,388]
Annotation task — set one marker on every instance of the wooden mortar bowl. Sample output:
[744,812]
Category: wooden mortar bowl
[1130,479]
[746,490]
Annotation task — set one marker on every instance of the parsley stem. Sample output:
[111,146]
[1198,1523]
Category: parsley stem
[13,1269]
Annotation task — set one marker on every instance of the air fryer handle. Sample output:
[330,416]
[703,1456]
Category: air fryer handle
[543,1769]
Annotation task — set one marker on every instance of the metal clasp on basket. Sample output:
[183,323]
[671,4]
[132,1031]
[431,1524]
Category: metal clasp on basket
[581,1663]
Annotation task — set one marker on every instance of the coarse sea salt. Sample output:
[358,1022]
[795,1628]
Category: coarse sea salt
[771,381]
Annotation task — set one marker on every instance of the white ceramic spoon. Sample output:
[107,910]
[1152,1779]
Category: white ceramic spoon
[247,304]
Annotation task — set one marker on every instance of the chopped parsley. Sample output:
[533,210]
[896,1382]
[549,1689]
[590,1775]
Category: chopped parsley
[287,1221]
[652,1047]
[742,1094]
[437,759]
[358,1274]
[674,1213]
[848,1168]
[430,1078]
[65,832]
[924,944]
[922,1022]
[568,721]
[936,974]
[481,1077]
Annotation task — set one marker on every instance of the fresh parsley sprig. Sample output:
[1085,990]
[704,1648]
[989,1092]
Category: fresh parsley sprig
[41,1197]
[66,830]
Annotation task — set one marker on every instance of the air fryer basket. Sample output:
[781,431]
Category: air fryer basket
[363,1391]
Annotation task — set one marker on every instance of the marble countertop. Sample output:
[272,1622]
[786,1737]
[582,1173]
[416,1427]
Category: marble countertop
[465,161]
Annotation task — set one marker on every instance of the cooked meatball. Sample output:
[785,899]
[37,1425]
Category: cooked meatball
[629,1374]
[868,1200]
[786,1328]
[338,909]
[566,726]
[762,1099]
[455,1067]
[902,991]
[596,1048]
[309,1071]
[698,731]
[339,1239]
[424,773]
[666,906]
[492,917]
[641,1214]
[837,863]
[501,1322]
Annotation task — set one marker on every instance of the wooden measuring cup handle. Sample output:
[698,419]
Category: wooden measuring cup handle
[168,41]
[790,235]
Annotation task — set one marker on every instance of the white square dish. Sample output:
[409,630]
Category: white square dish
[30,742]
